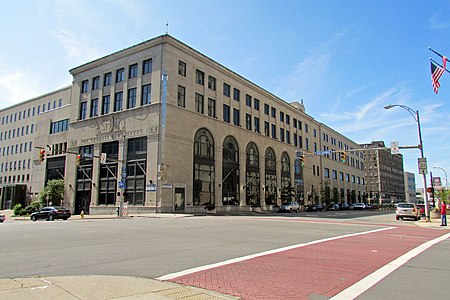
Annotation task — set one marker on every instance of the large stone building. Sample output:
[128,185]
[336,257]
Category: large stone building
[384,174]
[162,127]
[410,187]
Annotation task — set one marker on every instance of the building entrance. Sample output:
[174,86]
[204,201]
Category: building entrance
[179,199]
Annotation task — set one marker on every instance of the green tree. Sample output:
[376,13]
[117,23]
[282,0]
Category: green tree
[443,194]
[55,192]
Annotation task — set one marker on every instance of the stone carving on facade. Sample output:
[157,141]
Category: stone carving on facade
[112,124]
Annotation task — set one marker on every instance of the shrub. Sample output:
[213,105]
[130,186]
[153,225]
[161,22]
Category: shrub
[18,210]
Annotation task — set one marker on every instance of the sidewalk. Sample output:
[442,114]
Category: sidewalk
[100,287]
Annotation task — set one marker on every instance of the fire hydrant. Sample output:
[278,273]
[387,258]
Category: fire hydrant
[82,214]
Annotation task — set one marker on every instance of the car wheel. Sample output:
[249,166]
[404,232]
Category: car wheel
[65,219]
[51,217]
[33,218]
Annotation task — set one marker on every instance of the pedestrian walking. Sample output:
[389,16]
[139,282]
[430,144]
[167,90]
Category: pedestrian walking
[443,213]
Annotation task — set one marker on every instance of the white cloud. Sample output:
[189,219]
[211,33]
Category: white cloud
[12,87]
[77,48]
[436,23]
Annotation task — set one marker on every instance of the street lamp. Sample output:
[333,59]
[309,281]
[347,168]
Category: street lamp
[415,115]
[446,181]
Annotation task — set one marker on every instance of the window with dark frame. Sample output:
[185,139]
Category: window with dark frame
[226,113]
[95,83]
[200,77]
[107,79]
[212,83]
[236,117]
[133,71]
[120,76]
[226,89]
[181,96]
[131,101]
[84,86]
[182,68]
[236,94]
[211,107]
[105,104]
[146,94]
[147,66]
[199,107]
[118,98]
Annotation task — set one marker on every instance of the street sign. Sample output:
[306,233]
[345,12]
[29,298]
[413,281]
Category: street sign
[298,153]
[422,165]
[167,186]
[103,158]
[395,147]
[88,155]
[323,152]
[122,185]
[151,187]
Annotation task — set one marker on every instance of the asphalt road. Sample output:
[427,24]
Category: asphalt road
[154,247]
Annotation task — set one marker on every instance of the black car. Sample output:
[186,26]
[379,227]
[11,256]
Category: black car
[51,213]
[314,207]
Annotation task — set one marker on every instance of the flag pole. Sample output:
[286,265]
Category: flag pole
[429,48]
[435,62]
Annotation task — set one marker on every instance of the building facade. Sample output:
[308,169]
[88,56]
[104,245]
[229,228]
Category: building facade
[164,128]
[384,174]
[410,187]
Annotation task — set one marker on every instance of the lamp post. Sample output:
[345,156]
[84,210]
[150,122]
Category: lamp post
[446,181]
[415,115]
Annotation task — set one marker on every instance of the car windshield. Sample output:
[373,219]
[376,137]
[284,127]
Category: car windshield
[406,205]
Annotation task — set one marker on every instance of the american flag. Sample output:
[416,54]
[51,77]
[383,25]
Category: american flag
[437,72]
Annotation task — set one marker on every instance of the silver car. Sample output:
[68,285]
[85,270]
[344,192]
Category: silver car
[290,206]
[407,210]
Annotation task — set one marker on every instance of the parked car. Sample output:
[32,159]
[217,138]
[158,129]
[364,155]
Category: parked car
[344,206]
[359,206]
[51,213]
[421,208]
[407,210]
[333,206]
[290,206]
[314,207]
[2,218]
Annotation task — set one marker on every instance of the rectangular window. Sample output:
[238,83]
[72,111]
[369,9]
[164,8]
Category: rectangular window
[306,144]
[281,116]
[295,140]
[83,110]
[105,105]
[107,79]
[118,98]
[120,76]
[282,134]
[236,94]
[326,172]
[333,174]
[266,128]
[226,89]
[146,94]
[341,176]
[256,123]
[226,113]
[274,131]
[273,112]
[256,104]
[95,83]
[147,66]
[182,68]
[236,117]
[306,127]
[288,119]
[266,109]
[84,86]
[131,101]
[200,77]
[181,96]
[199,103]
[300,125]
[94,108]
[132,71]
[212,83]
[248,121]
[248,100]
[211,107]
[294,121]
[288,137]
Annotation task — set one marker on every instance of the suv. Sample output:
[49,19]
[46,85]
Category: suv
[407,210]
[51,213]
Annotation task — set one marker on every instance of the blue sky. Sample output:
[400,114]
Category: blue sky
[345,59]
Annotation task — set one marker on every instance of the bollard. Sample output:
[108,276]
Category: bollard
[82,214]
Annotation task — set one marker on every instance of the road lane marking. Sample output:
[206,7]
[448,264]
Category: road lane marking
[366,283]
[247,257]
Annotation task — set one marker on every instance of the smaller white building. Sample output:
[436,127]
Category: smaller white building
[410,187]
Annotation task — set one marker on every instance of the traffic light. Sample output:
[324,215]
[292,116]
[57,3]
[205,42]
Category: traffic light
[79,159]
[42,155]
[302,160]
[430,190]
[343,157]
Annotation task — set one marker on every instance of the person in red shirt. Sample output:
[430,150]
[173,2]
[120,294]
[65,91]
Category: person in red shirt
[443,214]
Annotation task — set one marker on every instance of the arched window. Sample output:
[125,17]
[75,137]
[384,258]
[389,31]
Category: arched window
[270,185]
[286,186]
[230,172]
[252,185]
[204,168]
